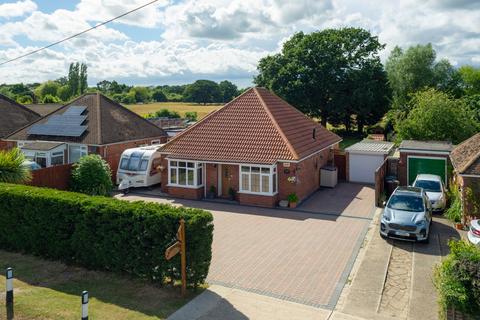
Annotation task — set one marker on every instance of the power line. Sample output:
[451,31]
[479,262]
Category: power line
[77,34]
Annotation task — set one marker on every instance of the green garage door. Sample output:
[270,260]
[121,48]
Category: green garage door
[436,166]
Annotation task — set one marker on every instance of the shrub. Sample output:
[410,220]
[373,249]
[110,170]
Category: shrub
[191,115]
[454,212]
[50,99]
[12,169]
[165,113]
[104,233]
[92,175]
[457,278]
[292,197]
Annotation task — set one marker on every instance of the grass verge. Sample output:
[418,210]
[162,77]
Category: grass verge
[180,107]
[51,290]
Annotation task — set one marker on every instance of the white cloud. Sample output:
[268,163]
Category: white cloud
[17,9]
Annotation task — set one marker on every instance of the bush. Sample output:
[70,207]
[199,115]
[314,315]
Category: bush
[25,99]
[191,115]
[12,169]
[104,233]
[50,99]
[458,278]
[165,113]
[454,212]
[92,175]
[292,198]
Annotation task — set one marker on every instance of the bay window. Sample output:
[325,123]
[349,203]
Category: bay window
[185,173]
[258,179]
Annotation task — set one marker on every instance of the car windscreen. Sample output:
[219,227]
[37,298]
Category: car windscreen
[406,203]
[428,185]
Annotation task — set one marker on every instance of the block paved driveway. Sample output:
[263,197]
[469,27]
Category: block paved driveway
[302,256]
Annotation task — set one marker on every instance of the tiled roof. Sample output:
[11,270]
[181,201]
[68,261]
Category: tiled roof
[466,156]
[43,109]
[14,116]
[108,122]
[256,127]
[41,146]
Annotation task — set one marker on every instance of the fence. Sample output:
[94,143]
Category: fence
[380,174]
[57,177]
[340,161]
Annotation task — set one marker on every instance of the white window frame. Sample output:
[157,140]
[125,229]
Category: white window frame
[273,172]
[196,166]
[55,154]
[155,142]
[83,151]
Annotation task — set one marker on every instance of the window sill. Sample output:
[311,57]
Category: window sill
[266,194]
[182,186]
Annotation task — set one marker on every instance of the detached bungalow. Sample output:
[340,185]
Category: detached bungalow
[90,124]
[257,147]
[466,163]
[13,116]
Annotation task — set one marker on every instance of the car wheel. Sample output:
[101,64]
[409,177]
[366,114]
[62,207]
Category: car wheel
[383,236]
[426,240]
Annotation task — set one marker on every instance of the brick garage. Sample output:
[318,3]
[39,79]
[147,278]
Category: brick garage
[466,163]
[258,145]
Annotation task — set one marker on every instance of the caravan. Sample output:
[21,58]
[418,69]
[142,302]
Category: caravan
[139,167]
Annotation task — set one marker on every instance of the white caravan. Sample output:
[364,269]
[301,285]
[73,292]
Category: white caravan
[139,168]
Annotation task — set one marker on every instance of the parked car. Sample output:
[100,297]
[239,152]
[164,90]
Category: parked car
[407,215]
[474,232]
[32,165]
[435,189]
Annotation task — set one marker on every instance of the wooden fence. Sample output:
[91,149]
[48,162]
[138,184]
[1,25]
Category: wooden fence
[340,161]
[57,177]
[380,182]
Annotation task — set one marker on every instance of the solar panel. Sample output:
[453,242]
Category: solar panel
[57,130]
[63,119]
[74,111]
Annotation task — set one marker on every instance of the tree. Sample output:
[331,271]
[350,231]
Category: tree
[12,169]
[47,88]
[50,99]
[141,94]
[74,78]
[165,113]
[228,90]
[472,102]
[315,72]
[25,99]
[471,79]
[435,115]
[191,115]
[203,91]
[82,79]
[416,69]
[159,96]
[92,175]
[64,93]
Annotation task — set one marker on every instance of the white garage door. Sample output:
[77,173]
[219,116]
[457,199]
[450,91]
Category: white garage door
[362,167]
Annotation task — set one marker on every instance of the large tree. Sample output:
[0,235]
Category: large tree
[228,90]
[319,72]
[470,79]
[435,115]
[203,91]
[416,69]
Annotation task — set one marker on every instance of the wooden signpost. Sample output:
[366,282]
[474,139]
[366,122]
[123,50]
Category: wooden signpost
[179,247]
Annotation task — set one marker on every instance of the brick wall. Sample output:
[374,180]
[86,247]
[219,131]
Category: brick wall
[468,207]
[257,200]
[402,164]
[186,193]
[7,145]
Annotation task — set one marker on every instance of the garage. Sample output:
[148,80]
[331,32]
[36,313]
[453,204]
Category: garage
[363,159]
[429,157]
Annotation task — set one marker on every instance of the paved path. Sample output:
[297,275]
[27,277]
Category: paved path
[290,255]
[394,279]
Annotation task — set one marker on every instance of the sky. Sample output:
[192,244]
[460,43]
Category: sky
[176,42]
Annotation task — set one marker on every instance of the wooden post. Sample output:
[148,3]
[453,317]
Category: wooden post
[183,258]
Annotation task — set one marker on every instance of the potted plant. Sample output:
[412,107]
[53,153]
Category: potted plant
[232,193]
[292,200]
[212,192]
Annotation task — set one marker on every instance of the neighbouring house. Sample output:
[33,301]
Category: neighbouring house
[417,157]
[364,158]
[13,116]
[171,126]
[90,124]
[257,148]
[44,108]
[466,164]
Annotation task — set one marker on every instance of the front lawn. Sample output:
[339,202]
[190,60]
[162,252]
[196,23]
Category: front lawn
[51,290]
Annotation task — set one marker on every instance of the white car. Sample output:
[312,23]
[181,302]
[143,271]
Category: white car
[474,232]
[435,189]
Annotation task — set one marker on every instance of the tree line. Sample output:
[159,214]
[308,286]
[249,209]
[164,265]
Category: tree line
[336,76]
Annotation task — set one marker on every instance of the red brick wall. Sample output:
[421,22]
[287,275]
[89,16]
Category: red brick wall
[211,175]
[474,184]
[7,145]
[257,200]
[307,173]
[112,153]
[186,193]
[402,164]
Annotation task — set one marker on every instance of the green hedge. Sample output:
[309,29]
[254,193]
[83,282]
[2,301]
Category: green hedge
[457,279]
[104,233]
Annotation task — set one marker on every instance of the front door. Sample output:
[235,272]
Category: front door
[227,176]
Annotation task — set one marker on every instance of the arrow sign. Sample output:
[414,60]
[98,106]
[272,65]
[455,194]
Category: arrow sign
[173,250]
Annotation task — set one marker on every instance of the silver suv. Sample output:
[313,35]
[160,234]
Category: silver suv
[407,215]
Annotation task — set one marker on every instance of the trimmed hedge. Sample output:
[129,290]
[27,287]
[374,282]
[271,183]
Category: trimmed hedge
[104,233]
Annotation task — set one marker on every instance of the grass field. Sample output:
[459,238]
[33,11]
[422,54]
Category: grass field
[180,107]
[50,290]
